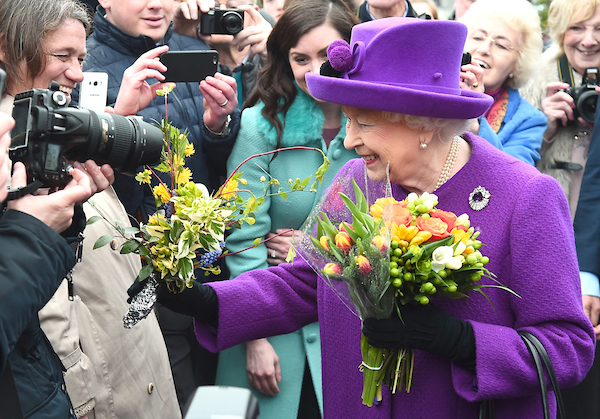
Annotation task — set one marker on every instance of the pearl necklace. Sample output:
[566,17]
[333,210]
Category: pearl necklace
[450,161]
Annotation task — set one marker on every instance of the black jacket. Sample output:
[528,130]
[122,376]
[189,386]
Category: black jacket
[112,50]
[364,16]
[34,262]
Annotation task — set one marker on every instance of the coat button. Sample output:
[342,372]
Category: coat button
[311,338]
[114,244]
[150,388]
[336,154]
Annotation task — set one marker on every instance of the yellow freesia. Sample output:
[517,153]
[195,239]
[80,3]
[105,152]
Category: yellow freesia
[420,237]
[401,232]
[376,209]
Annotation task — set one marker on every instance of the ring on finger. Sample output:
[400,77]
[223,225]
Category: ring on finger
[224,103]
[476,85]
[273,255]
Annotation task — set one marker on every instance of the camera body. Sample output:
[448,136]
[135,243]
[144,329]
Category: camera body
[221,22]
[48,134]
[585,96]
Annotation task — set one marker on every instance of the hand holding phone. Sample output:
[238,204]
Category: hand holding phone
[189,66]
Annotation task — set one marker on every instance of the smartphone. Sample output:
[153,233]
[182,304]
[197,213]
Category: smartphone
[92,93]
[189,66]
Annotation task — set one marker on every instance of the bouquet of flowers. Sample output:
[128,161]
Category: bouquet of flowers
[188,229]
[390,254]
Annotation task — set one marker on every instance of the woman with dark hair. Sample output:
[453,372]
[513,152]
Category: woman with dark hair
[282,113]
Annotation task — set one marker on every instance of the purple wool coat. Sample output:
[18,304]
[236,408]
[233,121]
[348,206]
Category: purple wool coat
[527,231]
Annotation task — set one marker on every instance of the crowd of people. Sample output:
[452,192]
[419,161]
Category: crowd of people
[478,101]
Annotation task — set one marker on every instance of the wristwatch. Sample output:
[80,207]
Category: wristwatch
[225,131]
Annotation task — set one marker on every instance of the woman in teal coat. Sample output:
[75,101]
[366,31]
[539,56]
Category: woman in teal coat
[284,372]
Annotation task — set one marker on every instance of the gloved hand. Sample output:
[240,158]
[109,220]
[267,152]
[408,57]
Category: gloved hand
[427,328]
[200,302]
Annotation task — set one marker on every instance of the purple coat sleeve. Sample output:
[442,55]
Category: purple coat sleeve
[262,303]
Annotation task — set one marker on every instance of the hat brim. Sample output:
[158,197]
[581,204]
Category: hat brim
[385,97]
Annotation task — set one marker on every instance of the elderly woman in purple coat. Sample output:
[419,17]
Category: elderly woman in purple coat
[398,83]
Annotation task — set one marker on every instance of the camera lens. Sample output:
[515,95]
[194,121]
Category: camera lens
[586,105]
[232,22]
[123,142]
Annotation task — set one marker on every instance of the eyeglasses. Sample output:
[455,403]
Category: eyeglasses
[500,45]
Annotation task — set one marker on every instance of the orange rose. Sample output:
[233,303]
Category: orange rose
[448,217]
[398,214]
[435,226]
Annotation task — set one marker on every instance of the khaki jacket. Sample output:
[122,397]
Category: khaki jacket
[111,372]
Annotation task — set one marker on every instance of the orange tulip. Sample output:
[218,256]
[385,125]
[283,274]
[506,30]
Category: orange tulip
[343,241]
[332,269]
[364,267]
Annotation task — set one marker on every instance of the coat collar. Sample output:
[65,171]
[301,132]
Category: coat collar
[302,124]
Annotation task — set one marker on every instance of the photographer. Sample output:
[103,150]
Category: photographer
[242,55]
[82,322]
[573,27]
[35,259]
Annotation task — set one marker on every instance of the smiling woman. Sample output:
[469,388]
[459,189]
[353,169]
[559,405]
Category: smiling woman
[575,29]
[41,47]
[505,42]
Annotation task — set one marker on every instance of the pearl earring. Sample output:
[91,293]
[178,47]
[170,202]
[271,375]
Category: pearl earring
[423,145]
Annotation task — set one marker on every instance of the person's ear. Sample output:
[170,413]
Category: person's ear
[105,3]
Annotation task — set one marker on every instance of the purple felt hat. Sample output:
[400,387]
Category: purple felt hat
[403,65]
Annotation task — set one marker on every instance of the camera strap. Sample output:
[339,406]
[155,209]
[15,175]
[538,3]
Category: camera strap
[24,190]
[565,71]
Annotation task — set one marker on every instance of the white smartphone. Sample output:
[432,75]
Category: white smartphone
[93,90]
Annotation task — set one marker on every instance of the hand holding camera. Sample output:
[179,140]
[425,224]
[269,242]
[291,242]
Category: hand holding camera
[48,135]
[255,34]
[56,210]
[564,103]
[585,96]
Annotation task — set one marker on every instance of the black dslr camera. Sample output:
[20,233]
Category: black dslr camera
[48,133]
[585,96]
[221,22]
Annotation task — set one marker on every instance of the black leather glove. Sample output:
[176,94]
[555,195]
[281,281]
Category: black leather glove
[200,302]
[427,328]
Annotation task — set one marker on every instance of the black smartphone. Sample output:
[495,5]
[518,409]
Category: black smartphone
[466,58]
[2,82]
[189,66]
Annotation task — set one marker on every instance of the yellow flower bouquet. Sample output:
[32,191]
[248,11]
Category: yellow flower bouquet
[187,232]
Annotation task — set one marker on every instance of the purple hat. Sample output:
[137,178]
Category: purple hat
[403,65]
